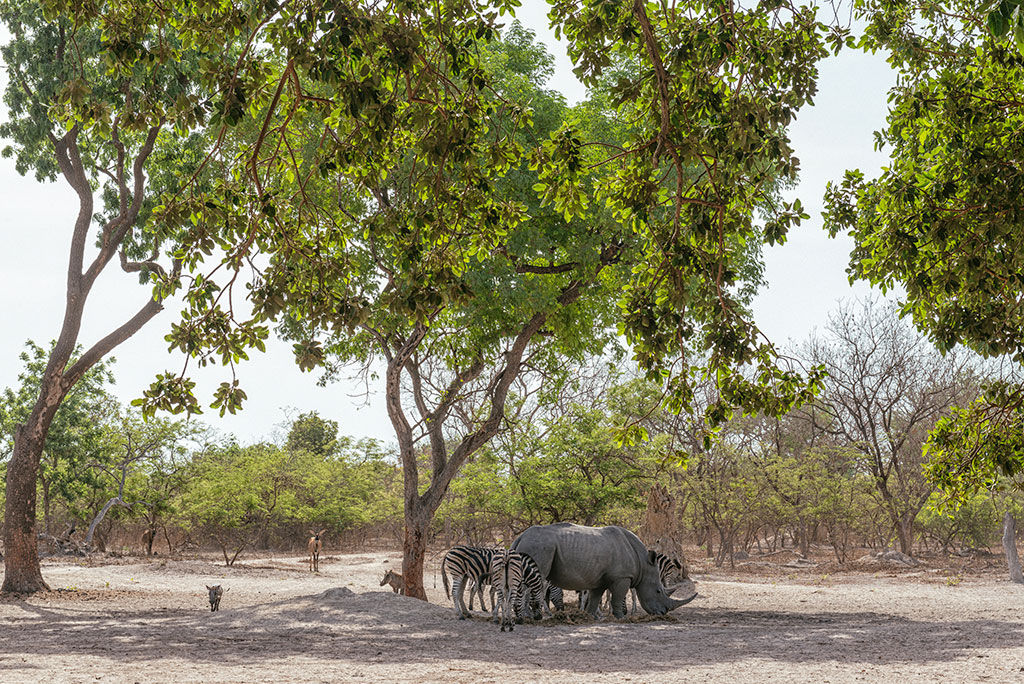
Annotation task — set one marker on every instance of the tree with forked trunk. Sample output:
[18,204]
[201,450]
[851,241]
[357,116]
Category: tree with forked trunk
[94,111]
[887,387]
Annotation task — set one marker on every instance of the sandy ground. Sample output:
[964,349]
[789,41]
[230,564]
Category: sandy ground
[136,620]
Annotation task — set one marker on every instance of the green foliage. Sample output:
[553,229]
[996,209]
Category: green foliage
[580,473]
[943,220]
[975,523]
[381,154]
[310,432]
[238,495]
[979,446]
[480,502]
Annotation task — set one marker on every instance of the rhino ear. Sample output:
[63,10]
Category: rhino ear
[652,555]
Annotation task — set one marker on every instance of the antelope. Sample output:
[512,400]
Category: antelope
[314,547]
[395,580]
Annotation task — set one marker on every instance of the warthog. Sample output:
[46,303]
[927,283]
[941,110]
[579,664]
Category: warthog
[215,593]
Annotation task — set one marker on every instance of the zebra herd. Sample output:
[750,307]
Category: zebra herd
[516,583]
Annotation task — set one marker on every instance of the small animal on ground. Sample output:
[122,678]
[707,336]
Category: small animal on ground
[314,545]
[215,593]
[395,580]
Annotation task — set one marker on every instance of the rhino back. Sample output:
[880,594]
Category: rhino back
[577,557]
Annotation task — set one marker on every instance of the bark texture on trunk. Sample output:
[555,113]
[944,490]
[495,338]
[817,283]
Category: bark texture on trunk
[22,573]
[1010,547]
[414,550]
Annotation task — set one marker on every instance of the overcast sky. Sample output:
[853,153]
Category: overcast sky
[806,276]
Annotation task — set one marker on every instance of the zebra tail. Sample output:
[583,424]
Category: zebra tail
[444,576]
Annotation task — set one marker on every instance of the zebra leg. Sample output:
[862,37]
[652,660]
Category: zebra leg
[460,605]
[536,601]
[478,586]
[633,592]
[472,590]
[480,590]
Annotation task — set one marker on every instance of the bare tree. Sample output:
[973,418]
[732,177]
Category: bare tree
[1010,547]
[887,387]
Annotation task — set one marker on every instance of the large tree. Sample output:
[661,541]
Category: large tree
[98,103]
[372,175]
[467,309]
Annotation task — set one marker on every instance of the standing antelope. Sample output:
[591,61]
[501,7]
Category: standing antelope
[314,546]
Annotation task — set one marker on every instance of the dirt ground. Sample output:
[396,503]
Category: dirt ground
[147,620]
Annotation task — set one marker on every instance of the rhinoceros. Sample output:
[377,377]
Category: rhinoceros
[598,559]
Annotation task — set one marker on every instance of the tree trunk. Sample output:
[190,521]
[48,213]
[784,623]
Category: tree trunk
[905,529]
[22,573]
[46,506]
[99,518]
[1010,547]
[414,548]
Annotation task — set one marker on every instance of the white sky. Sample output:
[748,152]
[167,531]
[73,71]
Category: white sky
[806,276]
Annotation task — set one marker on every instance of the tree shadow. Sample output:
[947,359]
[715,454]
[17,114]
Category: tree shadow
[380,627]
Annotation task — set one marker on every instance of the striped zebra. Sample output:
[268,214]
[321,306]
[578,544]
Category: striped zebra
[524,588]
[508,570]
[553,596]
[467,565]
[534,595]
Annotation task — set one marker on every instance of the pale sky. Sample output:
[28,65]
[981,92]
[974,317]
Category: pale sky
[806,276]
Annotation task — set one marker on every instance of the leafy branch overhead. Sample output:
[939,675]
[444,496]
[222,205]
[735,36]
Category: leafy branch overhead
[359,139]
[943,220]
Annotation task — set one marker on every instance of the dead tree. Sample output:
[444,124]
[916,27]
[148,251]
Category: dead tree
[1010,547]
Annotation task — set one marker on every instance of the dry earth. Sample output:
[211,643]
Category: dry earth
[147,621]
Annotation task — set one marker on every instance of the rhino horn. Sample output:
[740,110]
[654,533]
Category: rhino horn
[675,603]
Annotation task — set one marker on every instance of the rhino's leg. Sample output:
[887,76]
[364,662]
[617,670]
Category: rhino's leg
[620,588]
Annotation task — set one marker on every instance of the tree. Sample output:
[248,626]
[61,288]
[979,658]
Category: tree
[149,464]
[886,388]
[309,432]
[237,493]
[580,474]
[374,178]
[93,102]
[943,220]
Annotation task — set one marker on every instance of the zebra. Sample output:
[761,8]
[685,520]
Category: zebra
[507,577]
[553,596]
[536,590]
[466,564]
